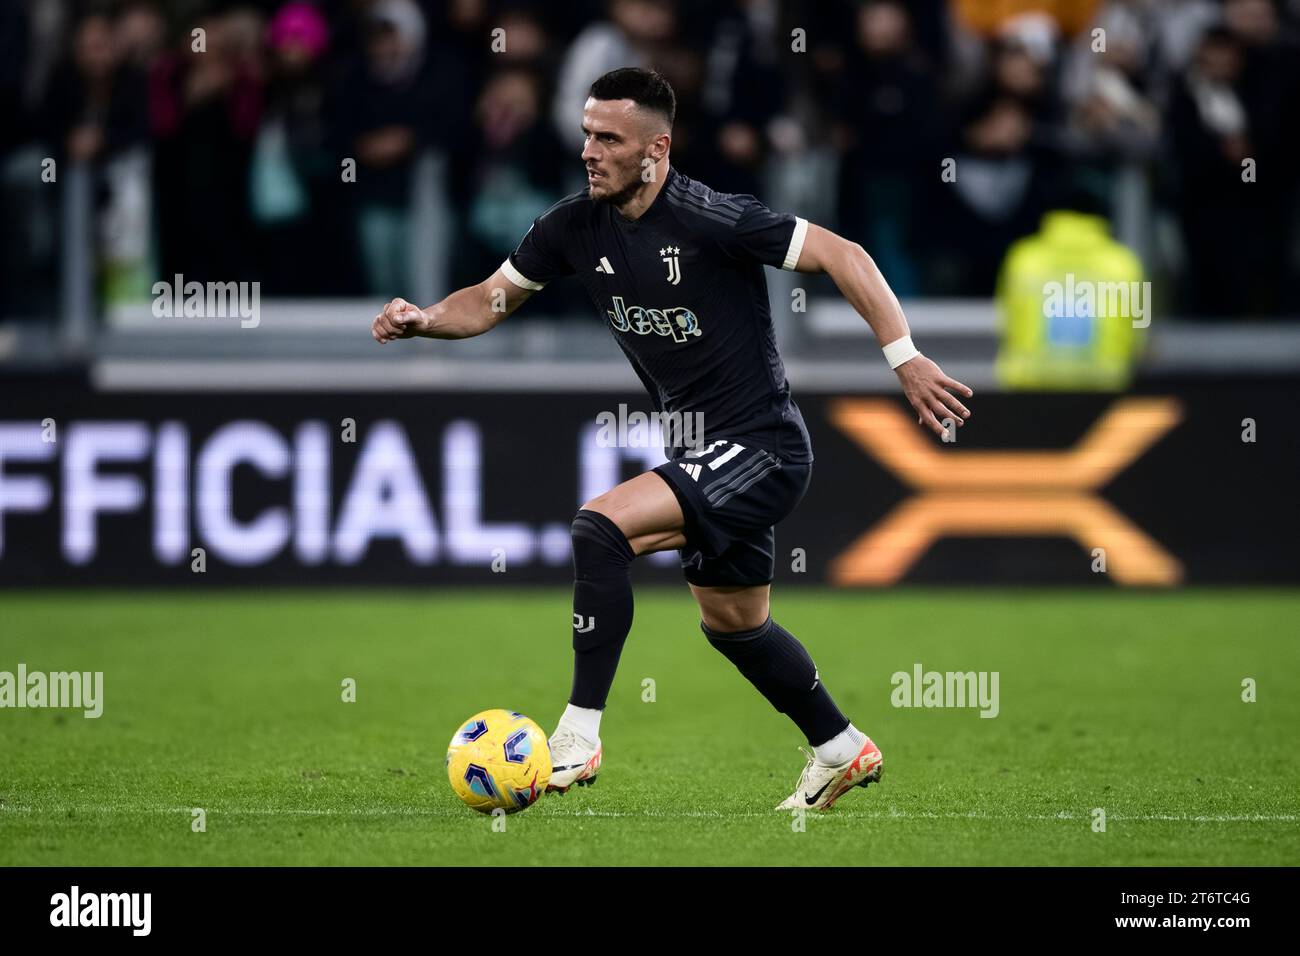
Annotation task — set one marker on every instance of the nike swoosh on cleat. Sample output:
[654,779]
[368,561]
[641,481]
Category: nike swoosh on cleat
[813,799]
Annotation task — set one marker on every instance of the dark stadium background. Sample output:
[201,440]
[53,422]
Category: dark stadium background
[226,165]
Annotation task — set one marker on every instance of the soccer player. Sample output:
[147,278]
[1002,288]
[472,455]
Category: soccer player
[676,270]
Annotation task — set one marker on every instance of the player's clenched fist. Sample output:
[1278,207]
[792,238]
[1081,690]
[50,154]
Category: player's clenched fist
[399,320]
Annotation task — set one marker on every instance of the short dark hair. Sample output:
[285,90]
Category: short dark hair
[646,88]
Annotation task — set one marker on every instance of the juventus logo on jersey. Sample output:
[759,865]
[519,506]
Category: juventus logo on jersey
[669,255]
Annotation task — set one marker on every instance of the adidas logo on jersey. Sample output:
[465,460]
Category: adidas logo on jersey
[680,323]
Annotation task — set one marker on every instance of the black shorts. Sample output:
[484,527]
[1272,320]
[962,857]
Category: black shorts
[732,495]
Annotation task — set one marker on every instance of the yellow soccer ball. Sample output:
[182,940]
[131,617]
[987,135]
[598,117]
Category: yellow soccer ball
[499,759]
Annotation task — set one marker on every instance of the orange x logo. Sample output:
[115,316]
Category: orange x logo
[1012,494]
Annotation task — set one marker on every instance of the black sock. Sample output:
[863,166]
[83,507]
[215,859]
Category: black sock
[777,664]
[602,605]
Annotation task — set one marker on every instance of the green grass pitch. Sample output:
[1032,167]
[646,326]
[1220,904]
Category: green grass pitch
[231,701]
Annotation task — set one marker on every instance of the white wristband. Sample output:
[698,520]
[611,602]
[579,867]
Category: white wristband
[899,351]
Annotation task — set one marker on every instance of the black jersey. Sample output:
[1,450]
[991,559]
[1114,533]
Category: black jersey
[683,292]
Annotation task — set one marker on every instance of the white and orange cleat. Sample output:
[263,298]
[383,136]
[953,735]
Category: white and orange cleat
[820,786]
[574,759]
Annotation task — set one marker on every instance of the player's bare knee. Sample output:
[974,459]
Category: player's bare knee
[729,613]
[733,609]
[601,504]
[604,505]
[613,504]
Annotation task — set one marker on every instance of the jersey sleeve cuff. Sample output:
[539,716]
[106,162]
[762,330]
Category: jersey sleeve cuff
[796,244]
[518,278]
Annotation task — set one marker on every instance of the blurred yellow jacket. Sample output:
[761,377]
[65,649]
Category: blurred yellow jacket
[1067,300]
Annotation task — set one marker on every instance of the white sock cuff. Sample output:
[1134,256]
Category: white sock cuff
[584,721]
[843,746]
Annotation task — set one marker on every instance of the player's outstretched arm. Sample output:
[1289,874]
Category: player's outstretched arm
[856,276]
[465,313]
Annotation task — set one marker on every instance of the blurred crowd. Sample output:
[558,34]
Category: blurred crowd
[221,133]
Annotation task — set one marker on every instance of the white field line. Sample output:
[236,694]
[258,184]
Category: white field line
[893,813]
